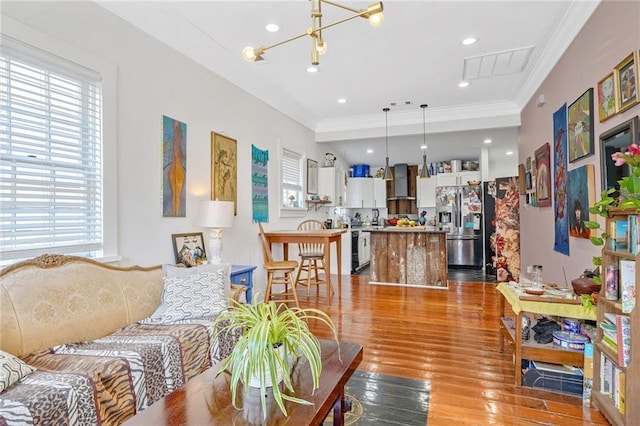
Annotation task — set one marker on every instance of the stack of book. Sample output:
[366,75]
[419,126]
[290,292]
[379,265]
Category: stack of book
[616,334]
[612,380]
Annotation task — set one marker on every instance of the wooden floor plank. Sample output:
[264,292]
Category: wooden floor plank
[451,338]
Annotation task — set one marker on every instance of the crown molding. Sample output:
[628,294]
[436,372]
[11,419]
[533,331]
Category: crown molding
[571,21]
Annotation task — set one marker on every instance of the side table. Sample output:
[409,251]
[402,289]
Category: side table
[243,275]
[531,349]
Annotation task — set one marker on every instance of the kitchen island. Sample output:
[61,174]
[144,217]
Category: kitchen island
[409,256]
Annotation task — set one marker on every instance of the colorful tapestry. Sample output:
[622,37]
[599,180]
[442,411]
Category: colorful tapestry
[505,241]
[561,243]
[260,184]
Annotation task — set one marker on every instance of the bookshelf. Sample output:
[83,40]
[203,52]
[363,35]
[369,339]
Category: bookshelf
[615,385]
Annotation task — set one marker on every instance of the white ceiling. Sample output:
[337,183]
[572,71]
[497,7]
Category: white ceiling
[415,56]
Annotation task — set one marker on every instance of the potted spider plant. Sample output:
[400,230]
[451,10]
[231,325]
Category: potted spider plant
[273,338]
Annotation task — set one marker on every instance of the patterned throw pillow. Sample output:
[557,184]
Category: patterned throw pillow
[12,369]
[196,295]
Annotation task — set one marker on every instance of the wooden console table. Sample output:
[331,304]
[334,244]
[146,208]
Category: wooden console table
[531,349]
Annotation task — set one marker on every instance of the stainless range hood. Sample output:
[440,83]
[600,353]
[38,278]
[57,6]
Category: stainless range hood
[401,182]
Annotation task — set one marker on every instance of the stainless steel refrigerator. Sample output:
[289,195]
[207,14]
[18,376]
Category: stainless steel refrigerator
[459,212]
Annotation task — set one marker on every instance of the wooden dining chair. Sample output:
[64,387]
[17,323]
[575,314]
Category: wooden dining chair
[312,262]
[279,272]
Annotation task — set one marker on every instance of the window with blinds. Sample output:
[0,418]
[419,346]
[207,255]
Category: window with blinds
[291,179]
[50,155]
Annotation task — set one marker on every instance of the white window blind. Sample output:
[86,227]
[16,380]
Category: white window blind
[291,179]
[50,155]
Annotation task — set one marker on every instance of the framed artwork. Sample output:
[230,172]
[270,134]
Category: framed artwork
[174,168]
[626,79]
[189,249]
[528,183]
[580,194]
[580,126]
[521,183]
[613,140]
[543,178]
[606,98]
[224,166]
[312,176]
[528,164]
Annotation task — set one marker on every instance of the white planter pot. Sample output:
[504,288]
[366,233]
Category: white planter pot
[254,381]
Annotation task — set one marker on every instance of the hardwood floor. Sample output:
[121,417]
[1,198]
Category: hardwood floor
[451,338]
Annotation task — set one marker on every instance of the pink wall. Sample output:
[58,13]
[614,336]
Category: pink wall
[612,33]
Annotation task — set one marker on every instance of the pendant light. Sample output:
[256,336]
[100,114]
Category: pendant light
[387,170]
[424,171]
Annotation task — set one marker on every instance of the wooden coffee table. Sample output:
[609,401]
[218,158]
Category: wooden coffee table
[206,400]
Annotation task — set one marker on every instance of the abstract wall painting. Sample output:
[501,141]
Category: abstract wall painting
[580,195]
[561,242]
[606,98]
[174,168]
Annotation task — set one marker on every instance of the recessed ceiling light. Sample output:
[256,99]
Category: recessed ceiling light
[272,28]
[342,101]
[509,152]
[487,141]
[463,84]
[312,69]
[469,41]
[423,147]
[369,151]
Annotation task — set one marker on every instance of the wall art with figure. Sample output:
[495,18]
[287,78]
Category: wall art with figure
[580,126]
[505,241]
[224,166]
[561,241]
[174,168]
[580,195]
[543,176]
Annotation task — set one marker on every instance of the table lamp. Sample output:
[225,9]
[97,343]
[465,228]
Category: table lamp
[215,215]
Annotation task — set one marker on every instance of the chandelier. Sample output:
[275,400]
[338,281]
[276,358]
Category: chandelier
[373,13]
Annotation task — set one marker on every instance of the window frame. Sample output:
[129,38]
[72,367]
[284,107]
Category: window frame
[287,154]
[16,32]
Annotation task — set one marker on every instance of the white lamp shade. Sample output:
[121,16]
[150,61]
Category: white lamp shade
[216,214]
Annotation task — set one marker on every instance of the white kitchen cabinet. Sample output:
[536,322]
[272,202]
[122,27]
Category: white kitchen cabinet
[331,184]
[380,193]
[426,192]
[327,183]
[457,179]
[360,192]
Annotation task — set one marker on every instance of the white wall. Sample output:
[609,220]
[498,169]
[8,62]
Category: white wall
[154,80]
[607,38]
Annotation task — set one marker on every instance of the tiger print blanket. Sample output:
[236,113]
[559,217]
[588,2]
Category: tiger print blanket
[106,381]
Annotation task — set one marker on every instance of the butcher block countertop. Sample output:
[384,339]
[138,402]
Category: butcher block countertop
[409,256]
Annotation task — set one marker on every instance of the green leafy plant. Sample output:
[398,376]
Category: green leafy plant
[273,337]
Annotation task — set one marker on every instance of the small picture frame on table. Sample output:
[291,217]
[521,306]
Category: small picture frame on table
[626,79]
[189,249]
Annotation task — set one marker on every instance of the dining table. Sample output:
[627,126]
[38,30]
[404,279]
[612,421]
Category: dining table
[319,236]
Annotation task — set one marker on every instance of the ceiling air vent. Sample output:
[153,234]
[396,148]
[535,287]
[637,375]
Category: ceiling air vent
[497,63]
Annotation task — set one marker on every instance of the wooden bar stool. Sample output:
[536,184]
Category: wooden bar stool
[312,261]
[279,272]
